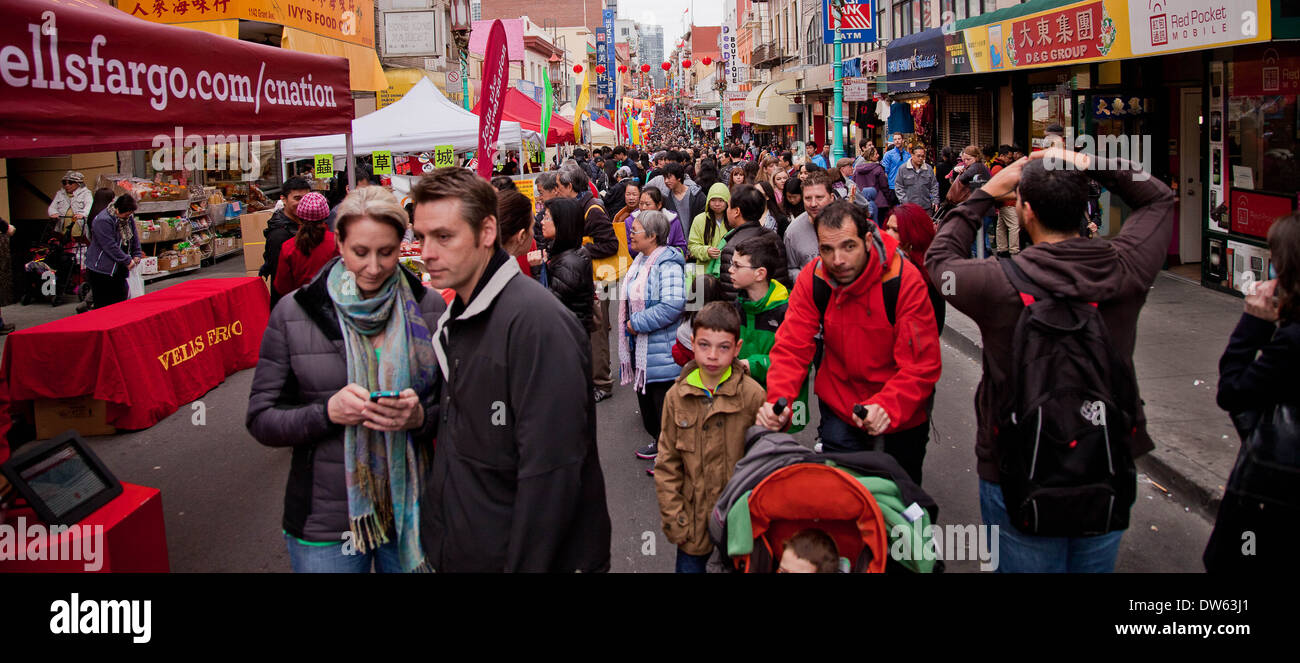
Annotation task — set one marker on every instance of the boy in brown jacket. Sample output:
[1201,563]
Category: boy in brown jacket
[706,413]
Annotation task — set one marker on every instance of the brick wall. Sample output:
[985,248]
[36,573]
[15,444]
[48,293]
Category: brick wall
[565,13]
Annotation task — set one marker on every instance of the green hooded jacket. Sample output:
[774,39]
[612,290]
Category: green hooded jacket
[695,244]
[758,334]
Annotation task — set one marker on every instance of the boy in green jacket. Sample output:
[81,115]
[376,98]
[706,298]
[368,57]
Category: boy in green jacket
[763,303]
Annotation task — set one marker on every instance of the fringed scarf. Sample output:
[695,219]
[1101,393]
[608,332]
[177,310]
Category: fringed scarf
[636,287]
[384,469]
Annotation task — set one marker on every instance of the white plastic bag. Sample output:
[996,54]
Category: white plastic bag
[135,282]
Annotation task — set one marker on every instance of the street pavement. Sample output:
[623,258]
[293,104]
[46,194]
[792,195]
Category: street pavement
[223,492]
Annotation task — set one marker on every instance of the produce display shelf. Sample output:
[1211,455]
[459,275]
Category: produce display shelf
[156,206]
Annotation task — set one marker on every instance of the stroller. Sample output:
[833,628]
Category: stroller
[59,253]
[863,500]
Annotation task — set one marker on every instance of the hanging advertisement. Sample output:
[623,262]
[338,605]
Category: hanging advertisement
[1097,30]
[610,60]
[859,22]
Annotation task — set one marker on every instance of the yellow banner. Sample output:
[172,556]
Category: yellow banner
[1096,30]
[352,21]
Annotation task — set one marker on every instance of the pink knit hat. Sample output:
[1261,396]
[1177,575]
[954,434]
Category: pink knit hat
[313,207]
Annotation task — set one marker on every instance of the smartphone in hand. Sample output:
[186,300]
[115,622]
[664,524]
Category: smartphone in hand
[376,395]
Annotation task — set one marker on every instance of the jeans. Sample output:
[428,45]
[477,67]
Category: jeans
[1026,553]
[906,446]
[688,563]
[331,559]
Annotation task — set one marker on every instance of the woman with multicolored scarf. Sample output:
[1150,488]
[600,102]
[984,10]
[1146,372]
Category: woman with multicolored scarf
[360,327]
[653,297]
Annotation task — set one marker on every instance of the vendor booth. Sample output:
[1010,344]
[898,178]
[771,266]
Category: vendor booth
[83,76]
[418,122]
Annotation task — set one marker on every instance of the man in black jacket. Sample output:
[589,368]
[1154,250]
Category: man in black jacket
[282,226]
[744,217]
[516,482]
[572,183]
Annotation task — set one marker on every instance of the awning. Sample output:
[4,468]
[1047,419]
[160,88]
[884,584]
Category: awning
[768,104]
[216,86]
[364,69]
[903,87]
[518,107]
[224,28]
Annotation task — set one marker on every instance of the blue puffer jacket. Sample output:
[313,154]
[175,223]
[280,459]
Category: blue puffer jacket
[665,299]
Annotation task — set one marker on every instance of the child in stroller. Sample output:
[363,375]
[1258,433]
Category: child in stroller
[58,254]
[863,502]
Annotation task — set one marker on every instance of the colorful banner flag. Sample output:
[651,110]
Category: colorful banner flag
[495,70]
[547,106]
[581,109]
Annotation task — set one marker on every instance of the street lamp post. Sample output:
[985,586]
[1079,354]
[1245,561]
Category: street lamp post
[837,142]
[460,27]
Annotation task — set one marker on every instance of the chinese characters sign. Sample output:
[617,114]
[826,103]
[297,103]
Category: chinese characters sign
[1097,30]
[348,20]
[605,55]
[444,156]
[1075,33]
[381,162]
[324,166]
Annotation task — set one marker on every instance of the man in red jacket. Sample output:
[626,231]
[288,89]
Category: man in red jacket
[882,356]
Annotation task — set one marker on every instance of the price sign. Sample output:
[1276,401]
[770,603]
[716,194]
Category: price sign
[324,165]
[382,162]
[444,156]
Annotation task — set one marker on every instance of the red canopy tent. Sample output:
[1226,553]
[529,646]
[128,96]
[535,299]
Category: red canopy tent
[79,76]
[99,79]
[518,107]
[606,122]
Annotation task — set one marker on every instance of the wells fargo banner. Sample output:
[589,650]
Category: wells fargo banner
[1099,30]
[352,21]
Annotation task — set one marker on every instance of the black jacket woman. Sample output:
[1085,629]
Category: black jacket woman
[1257,372]
[568,271]
[361,326]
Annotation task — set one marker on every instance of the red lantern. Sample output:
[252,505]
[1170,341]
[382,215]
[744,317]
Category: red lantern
[686,64]
[667,66]
[600,68]
[645,68]
[577,69]
[706,60]
[622,68]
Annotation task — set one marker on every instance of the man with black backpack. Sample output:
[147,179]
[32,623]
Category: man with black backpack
[881,356]
[1059,416]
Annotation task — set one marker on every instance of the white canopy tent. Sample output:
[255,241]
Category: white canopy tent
[419,121]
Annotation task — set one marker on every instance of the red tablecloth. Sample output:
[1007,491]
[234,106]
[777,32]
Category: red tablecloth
[146,356]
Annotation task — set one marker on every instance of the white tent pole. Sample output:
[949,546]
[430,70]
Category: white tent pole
[352,166]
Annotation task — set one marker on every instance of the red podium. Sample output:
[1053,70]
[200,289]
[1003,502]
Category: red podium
[134,539]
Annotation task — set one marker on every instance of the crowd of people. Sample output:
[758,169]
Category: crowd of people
[457,433]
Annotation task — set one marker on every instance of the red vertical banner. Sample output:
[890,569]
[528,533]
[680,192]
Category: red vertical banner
[495,64]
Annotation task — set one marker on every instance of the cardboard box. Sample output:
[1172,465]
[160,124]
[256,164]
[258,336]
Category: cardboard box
[149,266]
[170,263]
[253,227]
[84,414]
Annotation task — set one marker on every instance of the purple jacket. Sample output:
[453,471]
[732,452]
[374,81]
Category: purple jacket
[676,235]
[873,174]
[105,251]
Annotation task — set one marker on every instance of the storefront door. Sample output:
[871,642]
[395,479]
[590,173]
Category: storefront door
[1191,198]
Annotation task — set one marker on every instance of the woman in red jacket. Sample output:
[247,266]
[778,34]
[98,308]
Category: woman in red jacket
[304,254]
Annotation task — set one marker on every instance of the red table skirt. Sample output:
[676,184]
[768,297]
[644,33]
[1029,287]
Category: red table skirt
[146,356]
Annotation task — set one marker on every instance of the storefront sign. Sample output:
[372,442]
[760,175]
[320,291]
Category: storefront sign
[348,20]
[958,61]
[852,68]
[1253,213]
[1172,25]
[1096,30]
[859,22]
[324,166]
[918,56]
[411,33]
[873,63]
[381,162]
[857,89]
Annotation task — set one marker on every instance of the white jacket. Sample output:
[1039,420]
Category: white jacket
[79,202]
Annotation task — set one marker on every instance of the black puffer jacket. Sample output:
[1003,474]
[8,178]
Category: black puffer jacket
[278,231]
[569,276]
[302,365]
[736,236]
